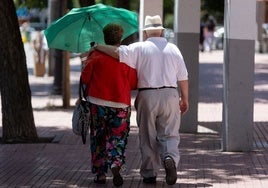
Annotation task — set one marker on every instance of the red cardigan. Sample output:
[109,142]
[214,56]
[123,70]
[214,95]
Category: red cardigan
[108,79]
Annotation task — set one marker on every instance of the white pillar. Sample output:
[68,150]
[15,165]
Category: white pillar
[186,29]
[239,50]
[151,8]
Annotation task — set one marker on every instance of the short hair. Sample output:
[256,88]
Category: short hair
[113,34]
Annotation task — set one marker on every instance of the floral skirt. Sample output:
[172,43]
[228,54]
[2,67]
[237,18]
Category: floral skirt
[109,131]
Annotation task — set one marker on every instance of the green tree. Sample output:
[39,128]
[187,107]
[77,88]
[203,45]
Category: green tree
[31,3]
[168,16]
[17,114]
[212,7]
[85,3]
[123,4]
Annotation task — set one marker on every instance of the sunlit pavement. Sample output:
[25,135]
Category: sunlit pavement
[211,97]
[66,163]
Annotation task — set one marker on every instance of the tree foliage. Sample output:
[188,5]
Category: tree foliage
[84,3]
[213,7]
[31,3]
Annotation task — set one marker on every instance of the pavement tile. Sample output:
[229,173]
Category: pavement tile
[66,163]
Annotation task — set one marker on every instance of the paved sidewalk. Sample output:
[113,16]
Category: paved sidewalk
[66,163]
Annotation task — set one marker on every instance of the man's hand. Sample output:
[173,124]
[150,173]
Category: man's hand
[184,106]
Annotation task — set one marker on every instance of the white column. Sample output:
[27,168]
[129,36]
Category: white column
[239,50]
[151,8]
[186,29]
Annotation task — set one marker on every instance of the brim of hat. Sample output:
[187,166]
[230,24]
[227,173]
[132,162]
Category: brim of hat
[153,28]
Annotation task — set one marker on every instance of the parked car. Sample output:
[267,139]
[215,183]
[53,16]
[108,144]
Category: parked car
[169,35]
[39,26]
[219,35]
[218,38]
[265,31]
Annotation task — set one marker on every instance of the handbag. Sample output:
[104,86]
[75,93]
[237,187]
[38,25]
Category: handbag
[81,115]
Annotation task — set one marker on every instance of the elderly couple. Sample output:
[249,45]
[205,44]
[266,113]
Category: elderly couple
[156,68]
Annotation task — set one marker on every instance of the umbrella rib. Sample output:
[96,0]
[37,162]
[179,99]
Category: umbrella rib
[96,22]
[80,33]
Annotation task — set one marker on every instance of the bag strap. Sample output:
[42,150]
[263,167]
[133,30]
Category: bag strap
[82,90]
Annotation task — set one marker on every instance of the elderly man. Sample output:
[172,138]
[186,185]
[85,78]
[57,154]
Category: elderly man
[161,70]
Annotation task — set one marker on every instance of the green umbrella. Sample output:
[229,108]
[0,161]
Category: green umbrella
[78,28]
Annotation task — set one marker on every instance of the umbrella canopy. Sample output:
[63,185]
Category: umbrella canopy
[78,28]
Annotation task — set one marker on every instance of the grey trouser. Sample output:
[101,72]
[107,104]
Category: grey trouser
[158,118]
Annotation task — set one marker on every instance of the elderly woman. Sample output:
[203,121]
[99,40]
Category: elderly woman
[109,84]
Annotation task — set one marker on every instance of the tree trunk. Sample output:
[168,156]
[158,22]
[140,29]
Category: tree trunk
[17,114]
[56,10]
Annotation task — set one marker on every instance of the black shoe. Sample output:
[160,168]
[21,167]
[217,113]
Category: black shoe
[150,180]
[171,171]
[100,179]
[117,179]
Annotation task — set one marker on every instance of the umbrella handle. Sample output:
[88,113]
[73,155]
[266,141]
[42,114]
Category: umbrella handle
[92,44]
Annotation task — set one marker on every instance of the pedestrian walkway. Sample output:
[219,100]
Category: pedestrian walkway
[66,161]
